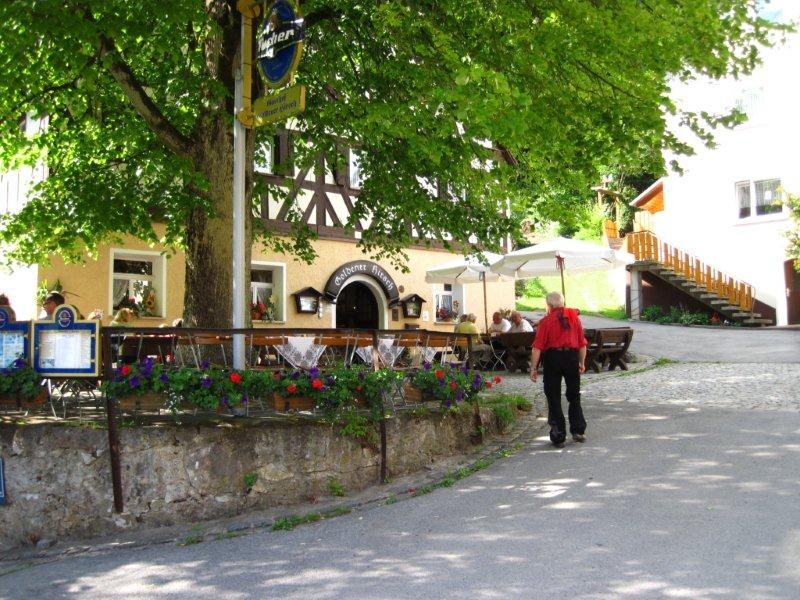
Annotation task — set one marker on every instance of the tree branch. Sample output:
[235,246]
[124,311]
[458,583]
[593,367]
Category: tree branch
[167,133]
[326,13]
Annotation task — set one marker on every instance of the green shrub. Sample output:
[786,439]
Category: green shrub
[652,313]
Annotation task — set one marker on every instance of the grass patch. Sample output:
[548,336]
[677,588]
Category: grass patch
[335,488]
[659,362]
[506,407]
[451,477]
[594,293]
[193,538]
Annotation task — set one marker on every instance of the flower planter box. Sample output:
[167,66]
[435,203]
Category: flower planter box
[287,403]
[149,401]
[8,402]
[414,394]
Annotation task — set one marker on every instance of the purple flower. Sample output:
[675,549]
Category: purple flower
[134,381]
[205,364]
[426,365]
[459,396]
[206,382]
[19,363]
[295,375]
[361,376]
[441,382]
[476,381]
[330,380]
[245,399]
[146,367]
[313,372]
[465,369]
[163,378]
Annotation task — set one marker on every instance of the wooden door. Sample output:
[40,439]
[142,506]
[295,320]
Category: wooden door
[792,292]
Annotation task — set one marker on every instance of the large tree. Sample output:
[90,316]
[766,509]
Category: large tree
[499,99]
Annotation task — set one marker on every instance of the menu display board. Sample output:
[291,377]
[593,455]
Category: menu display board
[14,339]
[66,346]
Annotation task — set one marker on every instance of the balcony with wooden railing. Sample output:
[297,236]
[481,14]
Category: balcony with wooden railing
[645,246]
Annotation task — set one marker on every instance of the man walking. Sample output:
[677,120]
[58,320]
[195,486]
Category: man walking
[561,347]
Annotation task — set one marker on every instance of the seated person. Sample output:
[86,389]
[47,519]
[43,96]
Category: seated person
[519,324]
[481,352]
[6,304]
[499,324]
[51,301]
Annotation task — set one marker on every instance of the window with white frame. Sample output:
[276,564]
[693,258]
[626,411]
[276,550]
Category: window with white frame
[354,169]
[267,291]
[759,197]
[449,303]
[138,282]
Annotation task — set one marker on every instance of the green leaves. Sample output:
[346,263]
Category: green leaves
[497,100]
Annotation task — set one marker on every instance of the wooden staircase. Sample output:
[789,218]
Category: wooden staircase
[725,295]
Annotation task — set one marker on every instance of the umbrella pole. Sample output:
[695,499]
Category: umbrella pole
[485,307]
[563,291]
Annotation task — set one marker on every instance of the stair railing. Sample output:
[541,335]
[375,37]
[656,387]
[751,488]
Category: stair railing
[644,245]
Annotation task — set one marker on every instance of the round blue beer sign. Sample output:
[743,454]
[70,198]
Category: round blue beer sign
[280,43]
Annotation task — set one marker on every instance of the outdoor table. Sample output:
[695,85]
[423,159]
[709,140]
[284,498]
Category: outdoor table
[518,349]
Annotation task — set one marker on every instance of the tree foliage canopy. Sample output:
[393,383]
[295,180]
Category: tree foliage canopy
[502,100]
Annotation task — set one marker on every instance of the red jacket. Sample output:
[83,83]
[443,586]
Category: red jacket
[552,333]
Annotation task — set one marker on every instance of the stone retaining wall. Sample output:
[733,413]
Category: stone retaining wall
[58,478]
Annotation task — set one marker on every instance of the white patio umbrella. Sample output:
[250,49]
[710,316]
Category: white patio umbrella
[467,269]
[555,256]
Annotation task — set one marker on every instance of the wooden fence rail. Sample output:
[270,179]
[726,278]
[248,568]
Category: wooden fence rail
[644,245]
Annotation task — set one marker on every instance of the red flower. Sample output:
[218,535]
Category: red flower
[316,383]
[488,385]
[236,378]
[439,373]
[453,385]
[291,388]
[497,379]
[125,370]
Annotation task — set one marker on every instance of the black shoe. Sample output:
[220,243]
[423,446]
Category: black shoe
[579,437]
[558,444]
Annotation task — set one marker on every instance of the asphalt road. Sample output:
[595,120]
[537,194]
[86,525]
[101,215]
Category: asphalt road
[687,488]
[717,344]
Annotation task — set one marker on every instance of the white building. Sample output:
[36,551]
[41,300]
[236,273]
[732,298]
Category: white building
[726,208]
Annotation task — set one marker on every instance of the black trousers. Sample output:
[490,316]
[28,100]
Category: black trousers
[558,364]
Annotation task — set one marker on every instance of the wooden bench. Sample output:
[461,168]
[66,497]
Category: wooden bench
[609,346]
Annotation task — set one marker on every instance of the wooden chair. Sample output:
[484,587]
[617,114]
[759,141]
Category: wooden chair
[612,345]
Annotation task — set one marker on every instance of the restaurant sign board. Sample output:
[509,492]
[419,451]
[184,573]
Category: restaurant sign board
[280,44]
[367,268]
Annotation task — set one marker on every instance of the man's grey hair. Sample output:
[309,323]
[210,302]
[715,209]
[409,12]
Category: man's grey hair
[554,300]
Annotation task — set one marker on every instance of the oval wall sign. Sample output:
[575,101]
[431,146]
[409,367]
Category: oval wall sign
[367,268]
[280,43]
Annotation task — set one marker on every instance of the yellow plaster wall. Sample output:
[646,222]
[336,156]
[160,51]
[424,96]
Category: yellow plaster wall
[87,285]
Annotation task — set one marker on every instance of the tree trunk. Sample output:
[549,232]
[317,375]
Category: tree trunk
[208,297]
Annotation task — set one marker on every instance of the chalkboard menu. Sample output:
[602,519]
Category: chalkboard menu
[14,338]
[65,346]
